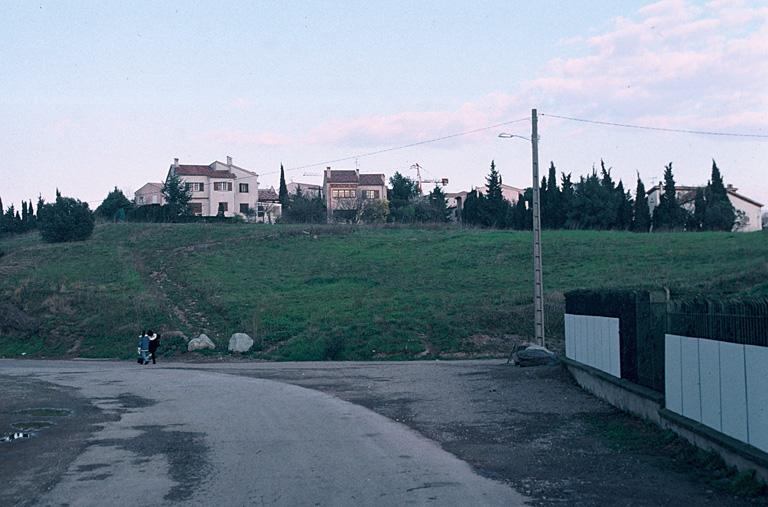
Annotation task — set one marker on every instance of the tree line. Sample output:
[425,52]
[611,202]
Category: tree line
[596,201]
[65,219]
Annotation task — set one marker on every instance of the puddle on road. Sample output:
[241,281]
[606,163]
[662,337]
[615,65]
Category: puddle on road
[44,412]
[31,425]
[12,437]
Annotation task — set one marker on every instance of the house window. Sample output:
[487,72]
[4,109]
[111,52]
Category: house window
[370,194]
[343,193]
[222,186]
[196,208]
[223,207]
[244,208]
[141,199]
[194,187]
[243,188]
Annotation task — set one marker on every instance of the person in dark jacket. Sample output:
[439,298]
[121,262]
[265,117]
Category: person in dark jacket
[144,347]
[154,342]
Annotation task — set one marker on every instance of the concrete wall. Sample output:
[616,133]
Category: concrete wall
[719,384]
[594,341]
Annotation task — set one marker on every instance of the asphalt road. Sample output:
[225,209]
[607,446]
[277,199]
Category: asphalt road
[164,435]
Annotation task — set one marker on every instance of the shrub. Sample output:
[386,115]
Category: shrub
[67,219]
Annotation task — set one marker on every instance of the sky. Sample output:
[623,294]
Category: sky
[97,95]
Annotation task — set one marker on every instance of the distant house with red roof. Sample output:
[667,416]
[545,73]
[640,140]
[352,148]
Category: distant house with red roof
[345,191]
[223,188]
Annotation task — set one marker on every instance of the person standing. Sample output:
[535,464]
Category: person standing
[144,348]
[154,342]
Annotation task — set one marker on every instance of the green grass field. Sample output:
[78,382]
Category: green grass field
[335,292]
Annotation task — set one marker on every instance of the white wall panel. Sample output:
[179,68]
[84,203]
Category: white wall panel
[594,341]
[673,387]
[691,387]
[757,395]
[614,349]
[709,374]
[733,391]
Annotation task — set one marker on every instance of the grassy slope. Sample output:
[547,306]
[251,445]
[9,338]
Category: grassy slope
[336,292]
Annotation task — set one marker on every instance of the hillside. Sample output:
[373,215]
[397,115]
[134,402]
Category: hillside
[334,292]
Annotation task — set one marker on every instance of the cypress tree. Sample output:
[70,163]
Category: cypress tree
[283,195]
[719,214]
[641,215]
[551,215]
[624,213]
[696,219]
[566,199]
[24,216]
[609,217]
[470,212]
[668,215]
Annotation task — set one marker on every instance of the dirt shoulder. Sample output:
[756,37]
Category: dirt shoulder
[531,427]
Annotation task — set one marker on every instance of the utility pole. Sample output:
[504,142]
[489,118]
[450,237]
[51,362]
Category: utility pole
[538,286]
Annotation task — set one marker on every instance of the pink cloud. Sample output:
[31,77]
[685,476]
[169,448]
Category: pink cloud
[701,66]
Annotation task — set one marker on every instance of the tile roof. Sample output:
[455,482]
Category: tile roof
[268,194]
[342,177]
[371,179]
[202,170]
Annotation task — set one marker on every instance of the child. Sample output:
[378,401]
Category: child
[144,348]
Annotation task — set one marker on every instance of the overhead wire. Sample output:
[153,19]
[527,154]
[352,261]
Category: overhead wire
[660,129]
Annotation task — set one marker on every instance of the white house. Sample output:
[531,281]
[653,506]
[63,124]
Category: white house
[150,193]
[747,210]
[219,187]
[307,189]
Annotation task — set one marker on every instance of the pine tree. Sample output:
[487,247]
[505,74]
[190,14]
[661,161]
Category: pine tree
[668,215]
[177,197]
[641,215]
[2,217]
[589,204]
[493,207]
[112,204]
[283,195]
[720,214]
[439,205]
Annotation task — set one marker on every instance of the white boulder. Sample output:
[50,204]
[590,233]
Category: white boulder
[240,342]
[200,343]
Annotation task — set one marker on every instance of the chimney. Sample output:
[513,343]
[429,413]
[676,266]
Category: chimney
[229,161]
[175,163]
[328,173]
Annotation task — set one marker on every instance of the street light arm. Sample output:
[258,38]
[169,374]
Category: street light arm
[505,135]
